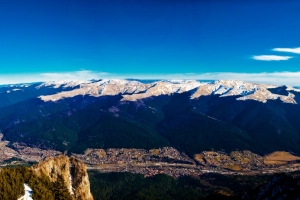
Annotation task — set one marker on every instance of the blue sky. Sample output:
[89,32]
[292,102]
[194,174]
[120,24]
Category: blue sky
[40,40]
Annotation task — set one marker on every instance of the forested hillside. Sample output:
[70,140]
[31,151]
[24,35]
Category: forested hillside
[208,186]
[12,185]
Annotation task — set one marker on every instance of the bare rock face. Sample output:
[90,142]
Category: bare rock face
[71,170]
[80,180]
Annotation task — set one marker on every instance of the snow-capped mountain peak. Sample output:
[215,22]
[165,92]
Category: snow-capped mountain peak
[243,91]
[134,90]
[62,83]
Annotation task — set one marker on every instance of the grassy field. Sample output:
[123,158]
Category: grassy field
[279,157]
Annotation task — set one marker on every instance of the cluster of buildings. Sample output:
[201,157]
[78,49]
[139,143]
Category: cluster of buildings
[170,161]
[27,154]
[165,160]
[34,154]
[149,171]
[133,156]
[244,159]
[6,152]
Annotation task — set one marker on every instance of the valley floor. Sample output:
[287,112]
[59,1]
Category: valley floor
[167,160]
[178,170]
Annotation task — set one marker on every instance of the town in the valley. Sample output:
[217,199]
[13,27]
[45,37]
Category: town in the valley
[166,160]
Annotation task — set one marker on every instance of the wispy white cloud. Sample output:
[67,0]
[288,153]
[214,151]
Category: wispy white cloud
[288,50]
[76,75]
[277,78]
[55,76]
[271,57]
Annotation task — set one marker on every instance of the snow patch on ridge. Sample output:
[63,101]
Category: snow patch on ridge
[28,193]
[70,178]
[243,91]
[63,84]
[135,90]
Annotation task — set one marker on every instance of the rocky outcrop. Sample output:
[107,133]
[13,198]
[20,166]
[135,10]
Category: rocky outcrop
[71,170]
[54,167]
[80,180]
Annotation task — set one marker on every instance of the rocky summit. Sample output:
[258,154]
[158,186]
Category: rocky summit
[72,171]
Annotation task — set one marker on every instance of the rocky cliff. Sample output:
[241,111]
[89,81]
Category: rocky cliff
[80,180]
[71,170]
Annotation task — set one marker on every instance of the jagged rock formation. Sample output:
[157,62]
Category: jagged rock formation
[80,180]
[71,170]
[53,167]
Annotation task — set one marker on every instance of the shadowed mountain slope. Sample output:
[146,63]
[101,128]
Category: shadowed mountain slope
[192,118]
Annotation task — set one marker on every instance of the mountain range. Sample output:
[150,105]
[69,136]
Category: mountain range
[190,115]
